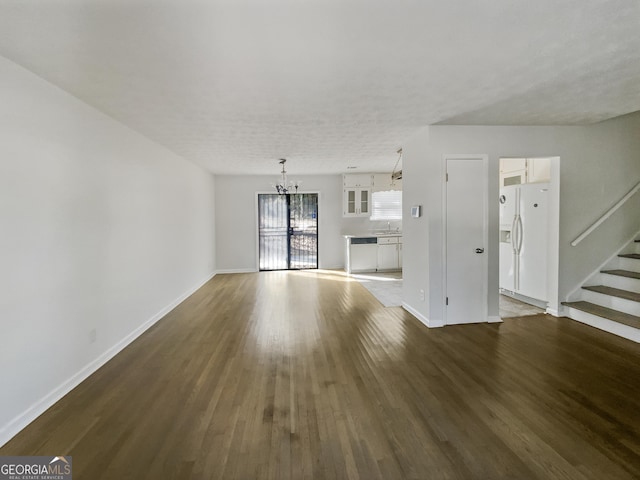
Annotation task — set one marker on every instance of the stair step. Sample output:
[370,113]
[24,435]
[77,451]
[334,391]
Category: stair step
[614,292]
[604,312]
[630,255]
[623,273]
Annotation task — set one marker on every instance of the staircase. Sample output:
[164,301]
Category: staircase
[610,299]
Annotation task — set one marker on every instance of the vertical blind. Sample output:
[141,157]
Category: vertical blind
[386,205]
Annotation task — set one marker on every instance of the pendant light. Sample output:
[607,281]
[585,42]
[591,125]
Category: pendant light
[283,188]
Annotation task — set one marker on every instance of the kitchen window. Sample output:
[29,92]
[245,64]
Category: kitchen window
[386,205]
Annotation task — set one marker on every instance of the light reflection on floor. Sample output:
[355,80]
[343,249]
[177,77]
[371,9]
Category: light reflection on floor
[288,316]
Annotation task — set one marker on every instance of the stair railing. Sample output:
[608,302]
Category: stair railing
[609,212]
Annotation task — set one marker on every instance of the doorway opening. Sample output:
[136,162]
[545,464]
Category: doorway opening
[528,235]
[287,231]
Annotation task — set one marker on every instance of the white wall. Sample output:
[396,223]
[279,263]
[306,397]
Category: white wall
[598,165]
[236,220]
[236,235]
[101,229]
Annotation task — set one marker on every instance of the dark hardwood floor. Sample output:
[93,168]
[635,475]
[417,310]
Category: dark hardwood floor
[294,375]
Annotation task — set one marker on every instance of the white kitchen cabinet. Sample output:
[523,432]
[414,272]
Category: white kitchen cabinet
[538,170]
[382,183]
[357,195]
[357,180]
[389,253]
[357,202]
[513,171]
[510,165]
[518,171]
[388,257]
[370,254]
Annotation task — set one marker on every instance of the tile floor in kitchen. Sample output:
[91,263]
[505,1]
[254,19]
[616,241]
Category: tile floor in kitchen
[387,288]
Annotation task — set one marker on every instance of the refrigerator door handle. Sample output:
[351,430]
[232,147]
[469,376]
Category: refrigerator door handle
[520,234]
[514,234]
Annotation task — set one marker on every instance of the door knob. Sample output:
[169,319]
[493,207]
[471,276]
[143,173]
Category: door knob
[479,250]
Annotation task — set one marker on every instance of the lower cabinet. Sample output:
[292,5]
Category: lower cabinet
[371,254]
[389,253]
[388,257]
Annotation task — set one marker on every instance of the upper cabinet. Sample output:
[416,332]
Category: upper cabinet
[513,171]
[382,182]
[516,171]
[538,170]
[363,180]
[511,165]
[357,195]
[357,202]
[358,188]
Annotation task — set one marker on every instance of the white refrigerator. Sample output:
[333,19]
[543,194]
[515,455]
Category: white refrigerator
[524,224]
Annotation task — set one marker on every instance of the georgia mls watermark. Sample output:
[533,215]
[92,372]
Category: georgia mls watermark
[35,468]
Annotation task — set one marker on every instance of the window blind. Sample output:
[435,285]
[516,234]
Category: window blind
[386,205]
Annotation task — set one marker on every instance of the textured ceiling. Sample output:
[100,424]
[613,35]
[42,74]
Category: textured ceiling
[235,85]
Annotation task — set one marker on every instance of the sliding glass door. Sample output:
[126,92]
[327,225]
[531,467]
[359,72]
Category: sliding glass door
[303,230]
[273,232]
[288,231]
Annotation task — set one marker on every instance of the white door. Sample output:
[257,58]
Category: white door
[466,240]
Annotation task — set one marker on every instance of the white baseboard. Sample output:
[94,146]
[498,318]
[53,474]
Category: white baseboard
[11,429]
[556,313]
[223,271]
[334,267]
[236,270]
[494,319]
[422,318]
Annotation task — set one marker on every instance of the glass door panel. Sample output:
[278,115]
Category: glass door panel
[364,201]
[273,228]
[351,201]
[303,210]
[288,231]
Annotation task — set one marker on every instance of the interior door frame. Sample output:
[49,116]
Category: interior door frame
[554,306]
[485,235]
[256,214]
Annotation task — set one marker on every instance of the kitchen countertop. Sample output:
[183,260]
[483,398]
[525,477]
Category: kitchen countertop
[369,235]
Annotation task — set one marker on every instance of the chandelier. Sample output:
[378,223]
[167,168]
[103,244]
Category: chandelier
[283,187]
